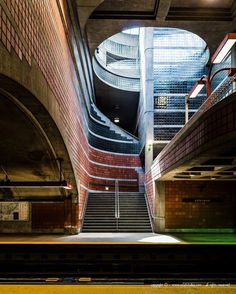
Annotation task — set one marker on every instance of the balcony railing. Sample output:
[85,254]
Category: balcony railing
[224,89]
[116,81]
[121,50]
[125,39]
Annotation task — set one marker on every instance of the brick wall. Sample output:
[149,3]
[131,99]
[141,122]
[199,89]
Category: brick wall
[38,56]
[202,213]
[218,121]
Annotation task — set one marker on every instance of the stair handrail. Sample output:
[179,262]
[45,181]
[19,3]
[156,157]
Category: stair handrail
[152,217]
[84,209]
[117,200]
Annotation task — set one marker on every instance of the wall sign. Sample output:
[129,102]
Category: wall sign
[203,200]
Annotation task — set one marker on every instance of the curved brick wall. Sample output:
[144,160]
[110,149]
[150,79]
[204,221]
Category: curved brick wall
[35,52]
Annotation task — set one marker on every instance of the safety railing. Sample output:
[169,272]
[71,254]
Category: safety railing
[117,204]
[121,50]
[84,207]
[123,83]
[125,39]
[126,67]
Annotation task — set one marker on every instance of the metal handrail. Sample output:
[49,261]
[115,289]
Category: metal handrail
[81,217]
[117,204]
[116,81]
[117,200]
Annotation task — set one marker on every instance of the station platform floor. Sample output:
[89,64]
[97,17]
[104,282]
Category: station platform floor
[180,238]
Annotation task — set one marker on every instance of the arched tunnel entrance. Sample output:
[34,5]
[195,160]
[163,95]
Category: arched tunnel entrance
[34,164]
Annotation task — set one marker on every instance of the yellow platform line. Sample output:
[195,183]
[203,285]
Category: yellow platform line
[118,289]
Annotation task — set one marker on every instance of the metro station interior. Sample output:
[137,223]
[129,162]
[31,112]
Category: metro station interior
[118,142]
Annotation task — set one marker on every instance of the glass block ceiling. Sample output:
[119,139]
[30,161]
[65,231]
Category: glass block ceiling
[116,62]
[179,60]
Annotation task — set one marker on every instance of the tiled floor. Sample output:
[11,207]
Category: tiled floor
[91,237]
[123,238]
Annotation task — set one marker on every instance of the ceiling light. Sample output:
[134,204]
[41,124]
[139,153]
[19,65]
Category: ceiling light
[36,184]
[107,188]
[116,120]
[224,48]
[196,89]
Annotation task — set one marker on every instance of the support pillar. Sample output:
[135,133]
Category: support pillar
[71,217]
[159,225]
[146,94]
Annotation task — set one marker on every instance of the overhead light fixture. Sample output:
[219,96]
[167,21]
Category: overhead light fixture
[36,184]
[107,188]
[149,145]
[116,120]
[224,48]
[196,89]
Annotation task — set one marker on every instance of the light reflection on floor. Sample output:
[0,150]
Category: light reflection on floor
[91,237]
[160,239]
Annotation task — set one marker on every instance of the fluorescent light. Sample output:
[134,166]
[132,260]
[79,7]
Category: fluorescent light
[224,48]
[196,89]
[36,184]
[116,119]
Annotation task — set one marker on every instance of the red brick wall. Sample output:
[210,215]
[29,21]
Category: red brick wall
[119,159]
[216,122]
[181,214]
[34,32]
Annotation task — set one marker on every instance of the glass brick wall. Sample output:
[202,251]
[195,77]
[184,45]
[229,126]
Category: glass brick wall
[179,60]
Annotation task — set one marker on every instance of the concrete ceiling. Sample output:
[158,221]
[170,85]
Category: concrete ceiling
[118,103]
[210,19]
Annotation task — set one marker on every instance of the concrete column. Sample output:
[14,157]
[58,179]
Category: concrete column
[159,225]
[147,89]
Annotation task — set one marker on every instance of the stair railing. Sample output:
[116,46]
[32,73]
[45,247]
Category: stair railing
[150,210]
[117,204]
[82,215]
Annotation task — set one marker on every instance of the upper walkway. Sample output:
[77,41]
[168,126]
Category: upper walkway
[204,149]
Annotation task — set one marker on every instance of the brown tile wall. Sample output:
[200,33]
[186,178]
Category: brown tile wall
[216,122]
[181,214]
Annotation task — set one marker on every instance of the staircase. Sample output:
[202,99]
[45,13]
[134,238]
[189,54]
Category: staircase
[100,213]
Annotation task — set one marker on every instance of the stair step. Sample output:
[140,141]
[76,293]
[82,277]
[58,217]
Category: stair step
[100,213]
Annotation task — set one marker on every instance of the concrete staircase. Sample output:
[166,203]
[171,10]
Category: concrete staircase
[100,213]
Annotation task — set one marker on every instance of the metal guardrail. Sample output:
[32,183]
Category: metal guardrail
[121,50]
[128,68]
[127,84]
[84,209]
[125,39]
[117,204]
